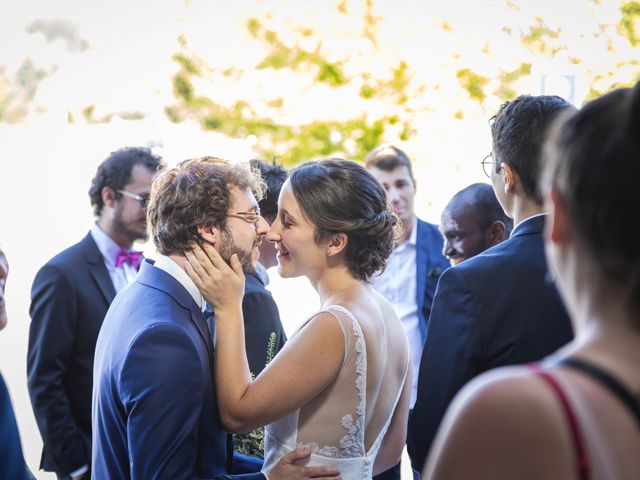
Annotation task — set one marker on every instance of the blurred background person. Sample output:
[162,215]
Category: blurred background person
[577,415]
[410,278]
[264,335]
[12,464]
[472,222]
[69,299]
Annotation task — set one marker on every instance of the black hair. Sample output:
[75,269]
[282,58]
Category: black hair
[274,176]
[519,130]
[115,172]
[485,203]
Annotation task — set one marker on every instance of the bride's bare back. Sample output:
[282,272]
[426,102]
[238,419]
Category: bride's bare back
[363,409]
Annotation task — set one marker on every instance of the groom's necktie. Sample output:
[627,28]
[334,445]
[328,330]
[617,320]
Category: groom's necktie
[211,320]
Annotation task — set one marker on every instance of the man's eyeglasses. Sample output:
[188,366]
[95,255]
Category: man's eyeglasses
[487,165]
[251,217]
[143,199]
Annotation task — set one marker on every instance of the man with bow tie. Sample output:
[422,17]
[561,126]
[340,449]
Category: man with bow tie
[69,299]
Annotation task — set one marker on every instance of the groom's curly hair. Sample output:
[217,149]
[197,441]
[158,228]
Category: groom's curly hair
[195,193]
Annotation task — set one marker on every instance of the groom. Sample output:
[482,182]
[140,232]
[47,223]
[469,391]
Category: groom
[154,402]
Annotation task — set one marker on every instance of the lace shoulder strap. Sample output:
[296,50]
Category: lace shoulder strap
[354,440]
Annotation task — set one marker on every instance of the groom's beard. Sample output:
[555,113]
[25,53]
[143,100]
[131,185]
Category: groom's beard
[227,248]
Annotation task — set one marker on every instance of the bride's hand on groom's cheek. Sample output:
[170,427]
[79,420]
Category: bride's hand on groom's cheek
[221,284]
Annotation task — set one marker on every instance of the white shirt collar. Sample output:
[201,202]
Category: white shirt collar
[108,248]
[172,268]
[413,236]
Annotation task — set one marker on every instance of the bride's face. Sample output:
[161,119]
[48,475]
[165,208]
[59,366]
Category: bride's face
[298,253]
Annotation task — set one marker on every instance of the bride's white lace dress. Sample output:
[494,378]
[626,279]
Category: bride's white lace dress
[345,425]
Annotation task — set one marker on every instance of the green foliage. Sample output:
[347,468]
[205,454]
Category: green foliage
[370,31]
[629,23]
[4,94]
[505,91]
[89,115]
[330,73]
[473,83]
[595,92]
[352,138]
[28,77]
[295,58]
[187,64]
[271,348]
[537,36]
[250,443]
[182,87]
[367,91]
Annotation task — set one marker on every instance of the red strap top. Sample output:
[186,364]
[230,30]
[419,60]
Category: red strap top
[582,459]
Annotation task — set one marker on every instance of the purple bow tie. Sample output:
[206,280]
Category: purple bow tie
[130,257]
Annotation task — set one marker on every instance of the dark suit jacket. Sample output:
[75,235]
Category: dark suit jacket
[155,412]
[430,263]
[69,299]
[497,308]
[12,464]
[263,332]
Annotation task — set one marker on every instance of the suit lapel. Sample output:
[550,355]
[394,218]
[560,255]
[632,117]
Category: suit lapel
[157,278]
[97,269]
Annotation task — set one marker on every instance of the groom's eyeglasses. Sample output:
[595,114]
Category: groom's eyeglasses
[143,199]
[251,217]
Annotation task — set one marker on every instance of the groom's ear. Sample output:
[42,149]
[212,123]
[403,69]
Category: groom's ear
[209,234]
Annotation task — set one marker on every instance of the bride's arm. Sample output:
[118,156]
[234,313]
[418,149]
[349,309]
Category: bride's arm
[306,365]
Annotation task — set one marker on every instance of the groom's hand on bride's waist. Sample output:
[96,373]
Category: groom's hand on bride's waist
[286,469]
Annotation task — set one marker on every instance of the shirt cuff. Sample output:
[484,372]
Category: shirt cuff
[80,471]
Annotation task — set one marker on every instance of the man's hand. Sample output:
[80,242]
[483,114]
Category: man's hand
[286,470]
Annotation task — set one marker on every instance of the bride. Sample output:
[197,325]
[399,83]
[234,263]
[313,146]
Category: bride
[340,387]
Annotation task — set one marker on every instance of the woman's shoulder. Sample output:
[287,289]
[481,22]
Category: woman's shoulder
[512,393]
[505,419]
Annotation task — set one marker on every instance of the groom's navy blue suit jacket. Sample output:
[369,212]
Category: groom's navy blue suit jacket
[497,308]
[155,413]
